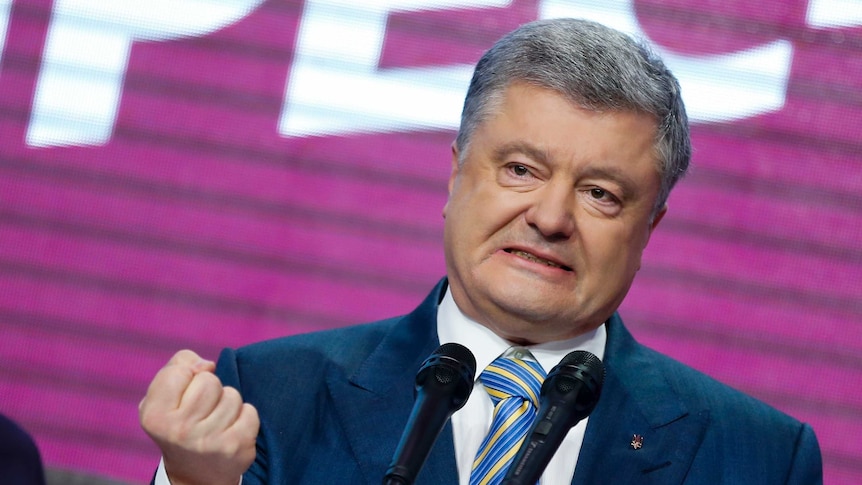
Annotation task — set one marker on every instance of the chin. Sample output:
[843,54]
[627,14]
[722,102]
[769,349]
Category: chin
[530,332]
[534,313]
[535,296]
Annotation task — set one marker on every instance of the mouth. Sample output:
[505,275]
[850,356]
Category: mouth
[536,259]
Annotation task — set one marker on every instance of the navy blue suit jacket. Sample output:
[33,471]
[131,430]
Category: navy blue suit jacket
[333,406]
[20,463]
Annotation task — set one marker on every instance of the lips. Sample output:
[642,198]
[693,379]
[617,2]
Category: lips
[536,259]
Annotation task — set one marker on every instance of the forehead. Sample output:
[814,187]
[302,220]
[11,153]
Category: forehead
[496,98]
[524,114]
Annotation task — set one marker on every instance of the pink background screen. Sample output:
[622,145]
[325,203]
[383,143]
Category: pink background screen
[154,195]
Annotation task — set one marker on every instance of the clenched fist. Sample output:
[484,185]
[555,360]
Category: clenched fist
[205,431]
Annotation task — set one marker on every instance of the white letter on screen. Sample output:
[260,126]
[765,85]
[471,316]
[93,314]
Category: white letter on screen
[86,55]
[834,13]
[335,86]
[5,11]
[714,87]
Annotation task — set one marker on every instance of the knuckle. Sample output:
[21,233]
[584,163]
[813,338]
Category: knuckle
[250,413]
[184,356]
[184,434]
[251,410]
[208,380]
[231,448]
[150,423]
[231,397]
[240,445]
[167,376]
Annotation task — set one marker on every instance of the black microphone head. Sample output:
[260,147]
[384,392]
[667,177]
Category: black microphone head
[580,372]
[443,384]
[449,369]
[569,394]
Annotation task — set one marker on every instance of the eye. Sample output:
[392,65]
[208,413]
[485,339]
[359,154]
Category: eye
[517,175]
[603,196]
[519,170]
[598,193]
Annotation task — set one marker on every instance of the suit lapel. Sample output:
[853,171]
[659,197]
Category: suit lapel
[636,400]
[380,396]
[640,431]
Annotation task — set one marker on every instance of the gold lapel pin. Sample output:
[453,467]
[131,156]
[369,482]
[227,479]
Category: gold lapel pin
[637,442]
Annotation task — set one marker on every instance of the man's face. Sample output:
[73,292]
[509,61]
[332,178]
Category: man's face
[548,215]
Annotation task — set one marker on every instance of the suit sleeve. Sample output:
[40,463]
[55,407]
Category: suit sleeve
[228,371]
[806,467]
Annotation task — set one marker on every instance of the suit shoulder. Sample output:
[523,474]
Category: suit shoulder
[344,345]
[701,391]
[746,437]
[270,372]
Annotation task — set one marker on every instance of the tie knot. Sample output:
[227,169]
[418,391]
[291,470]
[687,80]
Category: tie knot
[511,377]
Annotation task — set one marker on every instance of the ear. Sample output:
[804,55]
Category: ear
[456,165]
[658,217]
[652,225]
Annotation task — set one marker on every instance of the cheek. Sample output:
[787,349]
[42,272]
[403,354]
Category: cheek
[631,251]
[482,211]
[463,229]
[476,209]
[611,245]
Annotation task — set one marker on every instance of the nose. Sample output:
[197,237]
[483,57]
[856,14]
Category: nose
[552,212]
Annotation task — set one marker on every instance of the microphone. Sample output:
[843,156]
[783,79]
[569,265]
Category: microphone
[569,394]
[443,385]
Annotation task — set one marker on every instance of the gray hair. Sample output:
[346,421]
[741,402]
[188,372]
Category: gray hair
[595,67]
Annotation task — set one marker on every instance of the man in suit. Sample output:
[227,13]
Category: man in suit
[571,138]
[20,463]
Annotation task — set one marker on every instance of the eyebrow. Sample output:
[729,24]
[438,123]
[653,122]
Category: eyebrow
[521,147]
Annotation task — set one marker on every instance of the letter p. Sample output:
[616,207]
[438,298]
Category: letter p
[87,52]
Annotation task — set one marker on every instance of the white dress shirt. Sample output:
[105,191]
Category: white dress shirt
[470,424]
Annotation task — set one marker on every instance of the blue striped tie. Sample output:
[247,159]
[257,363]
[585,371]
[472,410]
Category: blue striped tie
[513,385]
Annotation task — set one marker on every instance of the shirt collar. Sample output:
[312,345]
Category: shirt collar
[454,326]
